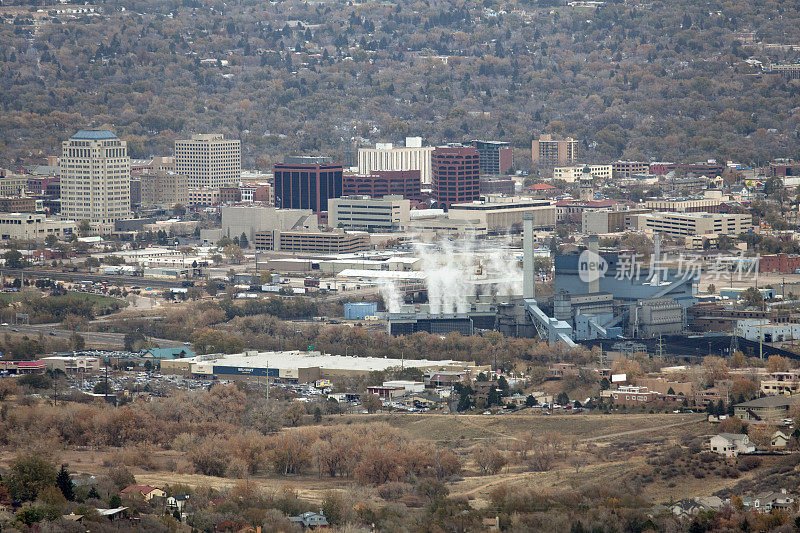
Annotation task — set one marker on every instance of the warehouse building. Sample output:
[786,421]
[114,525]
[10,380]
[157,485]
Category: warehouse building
[301,367]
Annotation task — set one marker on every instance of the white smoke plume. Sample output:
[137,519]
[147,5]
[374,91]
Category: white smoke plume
[392,297]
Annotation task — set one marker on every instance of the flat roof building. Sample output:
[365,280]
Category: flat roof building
[505,214]
[390,213]
[209,161]
[33,227]
[307,183]
[406,183]
[456,171]
[386,156]
[574,173]
[550,152]
[686,224]
[496,157]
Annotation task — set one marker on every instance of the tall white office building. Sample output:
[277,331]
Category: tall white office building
[386,156]
[209,161]
[95,179]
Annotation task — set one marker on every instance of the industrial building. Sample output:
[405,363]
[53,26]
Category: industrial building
[303,367]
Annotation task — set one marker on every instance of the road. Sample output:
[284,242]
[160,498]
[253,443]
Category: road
[110,340]
[83,276]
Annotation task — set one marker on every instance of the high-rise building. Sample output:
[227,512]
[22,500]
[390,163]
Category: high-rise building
[307,183]
[209,161]
[495,157]
[456,170]
[95,179]
[164,190]
[386,156]
[549,152]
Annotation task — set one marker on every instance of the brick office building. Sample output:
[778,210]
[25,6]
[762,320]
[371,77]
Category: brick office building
[456,170]
[384,183]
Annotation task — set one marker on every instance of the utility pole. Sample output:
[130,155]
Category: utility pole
[107,361]
[267,393]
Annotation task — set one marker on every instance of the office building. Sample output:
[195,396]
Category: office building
[209,161]
[163,190]
[386,156]
[495,157]
[20,204]
[230,195]
[136,192]
[95,179]
[686,224]
[384,183]
[203,197]
[600,221]
[456,173]
[390,213]
[502,215]
[311,242]
[12,184]
[686,205]
[576,172]
[626,169]
[33,227]
[709,168]
[497,186]
[307,183]
[549,152]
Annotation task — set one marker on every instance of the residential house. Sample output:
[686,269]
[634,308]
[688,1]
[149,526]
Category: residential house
[765,502]
[730,444]
[145,491]
[113,514]
[781,439]
[177,502]
[690,507]
[311,520]
[766,409]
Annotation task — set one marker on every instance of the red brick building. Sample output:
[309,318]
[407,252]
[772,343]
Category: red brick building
[230,195]
[383,183]
[708,169]
[456,170]
[780,263]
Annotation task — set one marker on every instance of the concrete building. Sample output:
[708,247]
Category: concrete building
[251,220]
[601,221]
[685,205]
[33,227]
[95,179]
[386,156]
[312,242]
[685,224]
[505,214]
[496,157]
[383,183]
[209,161]
[307,183]
[161,189]
[574,173]
[550,152]
[456,173]
[657,316]
[390,213]
[431,228]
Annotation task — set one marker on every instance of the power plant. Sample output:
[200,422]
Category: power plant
[598,294]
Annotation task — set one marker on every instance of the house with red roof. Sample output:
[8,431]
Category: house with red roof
[145,491]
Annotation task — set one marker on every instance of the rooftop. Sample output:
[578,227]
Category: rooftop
[770,401]
[94,135]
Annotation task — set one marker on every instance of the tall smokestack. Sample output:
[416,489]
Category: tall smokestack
[594,247]
[528,286]
[655,275]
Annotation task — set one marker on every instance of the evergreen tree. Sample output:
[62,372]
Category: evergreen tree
[64,483]
[243,242]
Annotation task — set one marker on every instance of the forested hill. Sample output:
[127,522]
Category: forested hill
[658,80]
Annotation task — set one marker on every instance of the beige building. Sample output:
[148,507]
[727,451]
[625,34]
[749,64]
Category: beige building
[686,224]
[574,173]
[12,184]
[505,214]
[431,228]
[251,220]
[684,205]
[386,156]
[304,241]
[390,213]
[549,152]
[33,227]
[209,161]
[600,221]
[203,197]
[95,179]
[164,189]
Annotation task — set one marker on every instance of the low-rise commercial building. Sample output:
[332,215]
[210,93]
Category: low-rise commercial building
[626,169]
[203,197]
[505,214]
[301,241]
[72,364]
[574,173]
[390,213]
[33,227]
[685,205]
